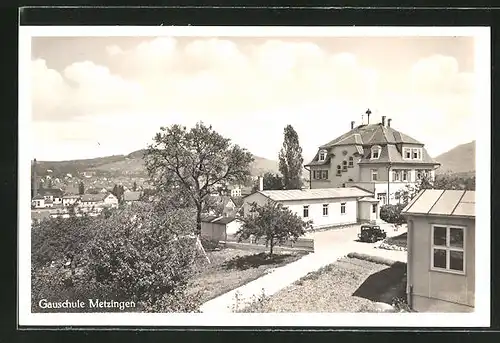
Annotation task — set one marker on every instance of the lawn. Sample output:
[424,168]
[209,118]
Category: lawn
[399,241]
[232,268]
[348,285]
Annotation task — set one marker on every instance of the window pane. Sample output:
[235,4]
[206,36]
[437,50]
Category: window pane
[456,237]
[440,235]
[439,258]
[457,260]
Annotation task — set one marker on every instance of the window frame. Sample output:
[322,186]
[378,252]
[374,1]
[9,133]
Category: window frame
[398,173]
[374,172]
[325,207]
[374,208]
[343,208]
[351,162]
[403,173]
[304,209]
[375,148]
[322,155]
[448,249]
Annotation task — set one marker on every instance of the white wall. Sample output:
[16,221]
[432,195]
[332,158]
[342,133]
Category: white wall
[111,200]
[233,227]
[315,209]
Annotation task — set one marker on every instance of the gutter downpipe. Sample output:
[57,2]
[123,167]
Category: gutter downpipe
[388,182]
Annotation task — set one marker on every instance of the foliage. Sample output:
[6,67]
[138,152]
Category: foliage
[118,191]
[134,187]
[271,181]
[139,253]
[291,160]
[81,188]
[195,162]
[60,240]
[392,214]
[274,223]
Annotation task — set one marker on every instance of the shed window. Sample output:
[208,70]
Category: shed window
[325,210]
[448,249]
[342,208]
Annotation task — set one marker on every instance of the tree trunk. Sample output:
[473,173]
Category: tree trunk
[198,219]
[271,245]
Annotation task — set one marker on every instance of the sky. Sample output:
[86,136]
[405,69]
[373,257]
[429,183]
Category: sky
[100,96]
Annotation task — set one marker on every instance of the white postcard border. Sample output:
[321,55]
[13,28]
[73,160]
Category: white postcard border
[479,318]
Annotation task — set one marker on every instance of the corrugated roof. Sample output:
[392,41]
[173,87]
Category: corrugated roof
[310,194]
[454,203]
[224,220]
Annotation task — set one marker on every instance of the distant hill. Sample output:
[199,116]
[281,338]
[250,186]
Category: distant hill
[131,164]
[459,160]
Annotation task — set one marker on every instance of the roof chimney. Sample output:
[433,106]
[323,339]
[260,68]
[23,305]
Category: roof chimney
[368,112]
[389,122]
[383,120]
[261,183]
[352,124]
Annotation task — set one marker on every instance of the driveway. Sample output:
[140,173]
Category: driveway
[340,239]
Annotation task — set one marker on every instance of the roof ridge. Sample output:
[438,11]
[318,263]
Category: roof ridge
[459,200]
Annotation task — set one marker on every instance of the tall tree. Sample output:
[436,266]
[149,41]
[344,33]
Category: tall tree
[194,162]
[291,160]
[134,187]
[81,188]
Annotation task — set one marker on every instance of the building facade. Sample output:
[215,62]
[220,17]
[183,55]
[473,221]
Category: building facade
[324,207]
[374,157]
[441,251]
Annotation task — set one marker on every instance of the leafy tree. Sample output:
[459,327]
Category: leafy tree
[81,188]
[273,181]
[49,183]
[291,160]
[273,222]
[392,214]
[134,187]
[144,255]
[193,162]
[118,191]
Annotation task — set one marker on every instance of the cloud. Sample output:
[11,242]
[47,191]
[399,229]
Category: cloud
[82,89]
[440,74]
[248,91]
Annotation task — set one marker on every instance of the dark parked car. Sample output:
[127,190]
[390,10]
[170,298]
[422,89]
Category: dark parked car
[371,233]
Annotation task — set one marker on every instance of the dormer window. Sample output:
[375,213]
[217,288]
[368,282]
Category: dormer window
[412,153]
[322,155]
[376,152]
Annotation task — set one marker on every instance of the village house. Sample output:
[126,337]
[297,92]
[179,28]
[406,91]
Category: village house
[69,199]
[375,157]
[38,201]
[52,196]
[235,191]
[441,251]
[98,200]
[221,205]
[131,197]
[326,207]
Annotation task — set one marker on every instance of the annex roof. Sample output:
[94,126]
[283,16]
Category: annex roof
[132,196]
[310,194]
[436,202]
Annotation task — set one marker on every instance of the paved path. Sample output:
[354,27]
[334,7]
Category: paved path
[329,247]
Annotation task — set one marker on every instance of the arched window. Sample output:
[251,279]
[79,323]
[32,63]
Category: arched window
[322,155]
[344,165]
[375,152]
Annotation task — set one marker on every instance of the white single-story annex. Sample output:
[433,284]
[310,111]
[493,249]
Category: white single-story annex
[219,227]
[325,207]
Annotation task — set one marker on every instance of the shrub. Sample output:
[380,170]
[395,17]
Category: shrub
[376,259]
[392,214]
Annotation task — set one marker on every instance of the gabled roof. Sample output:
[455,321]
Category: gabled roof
[57,192]
[93,197]
[38,197]
[438,202]
[311,194]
